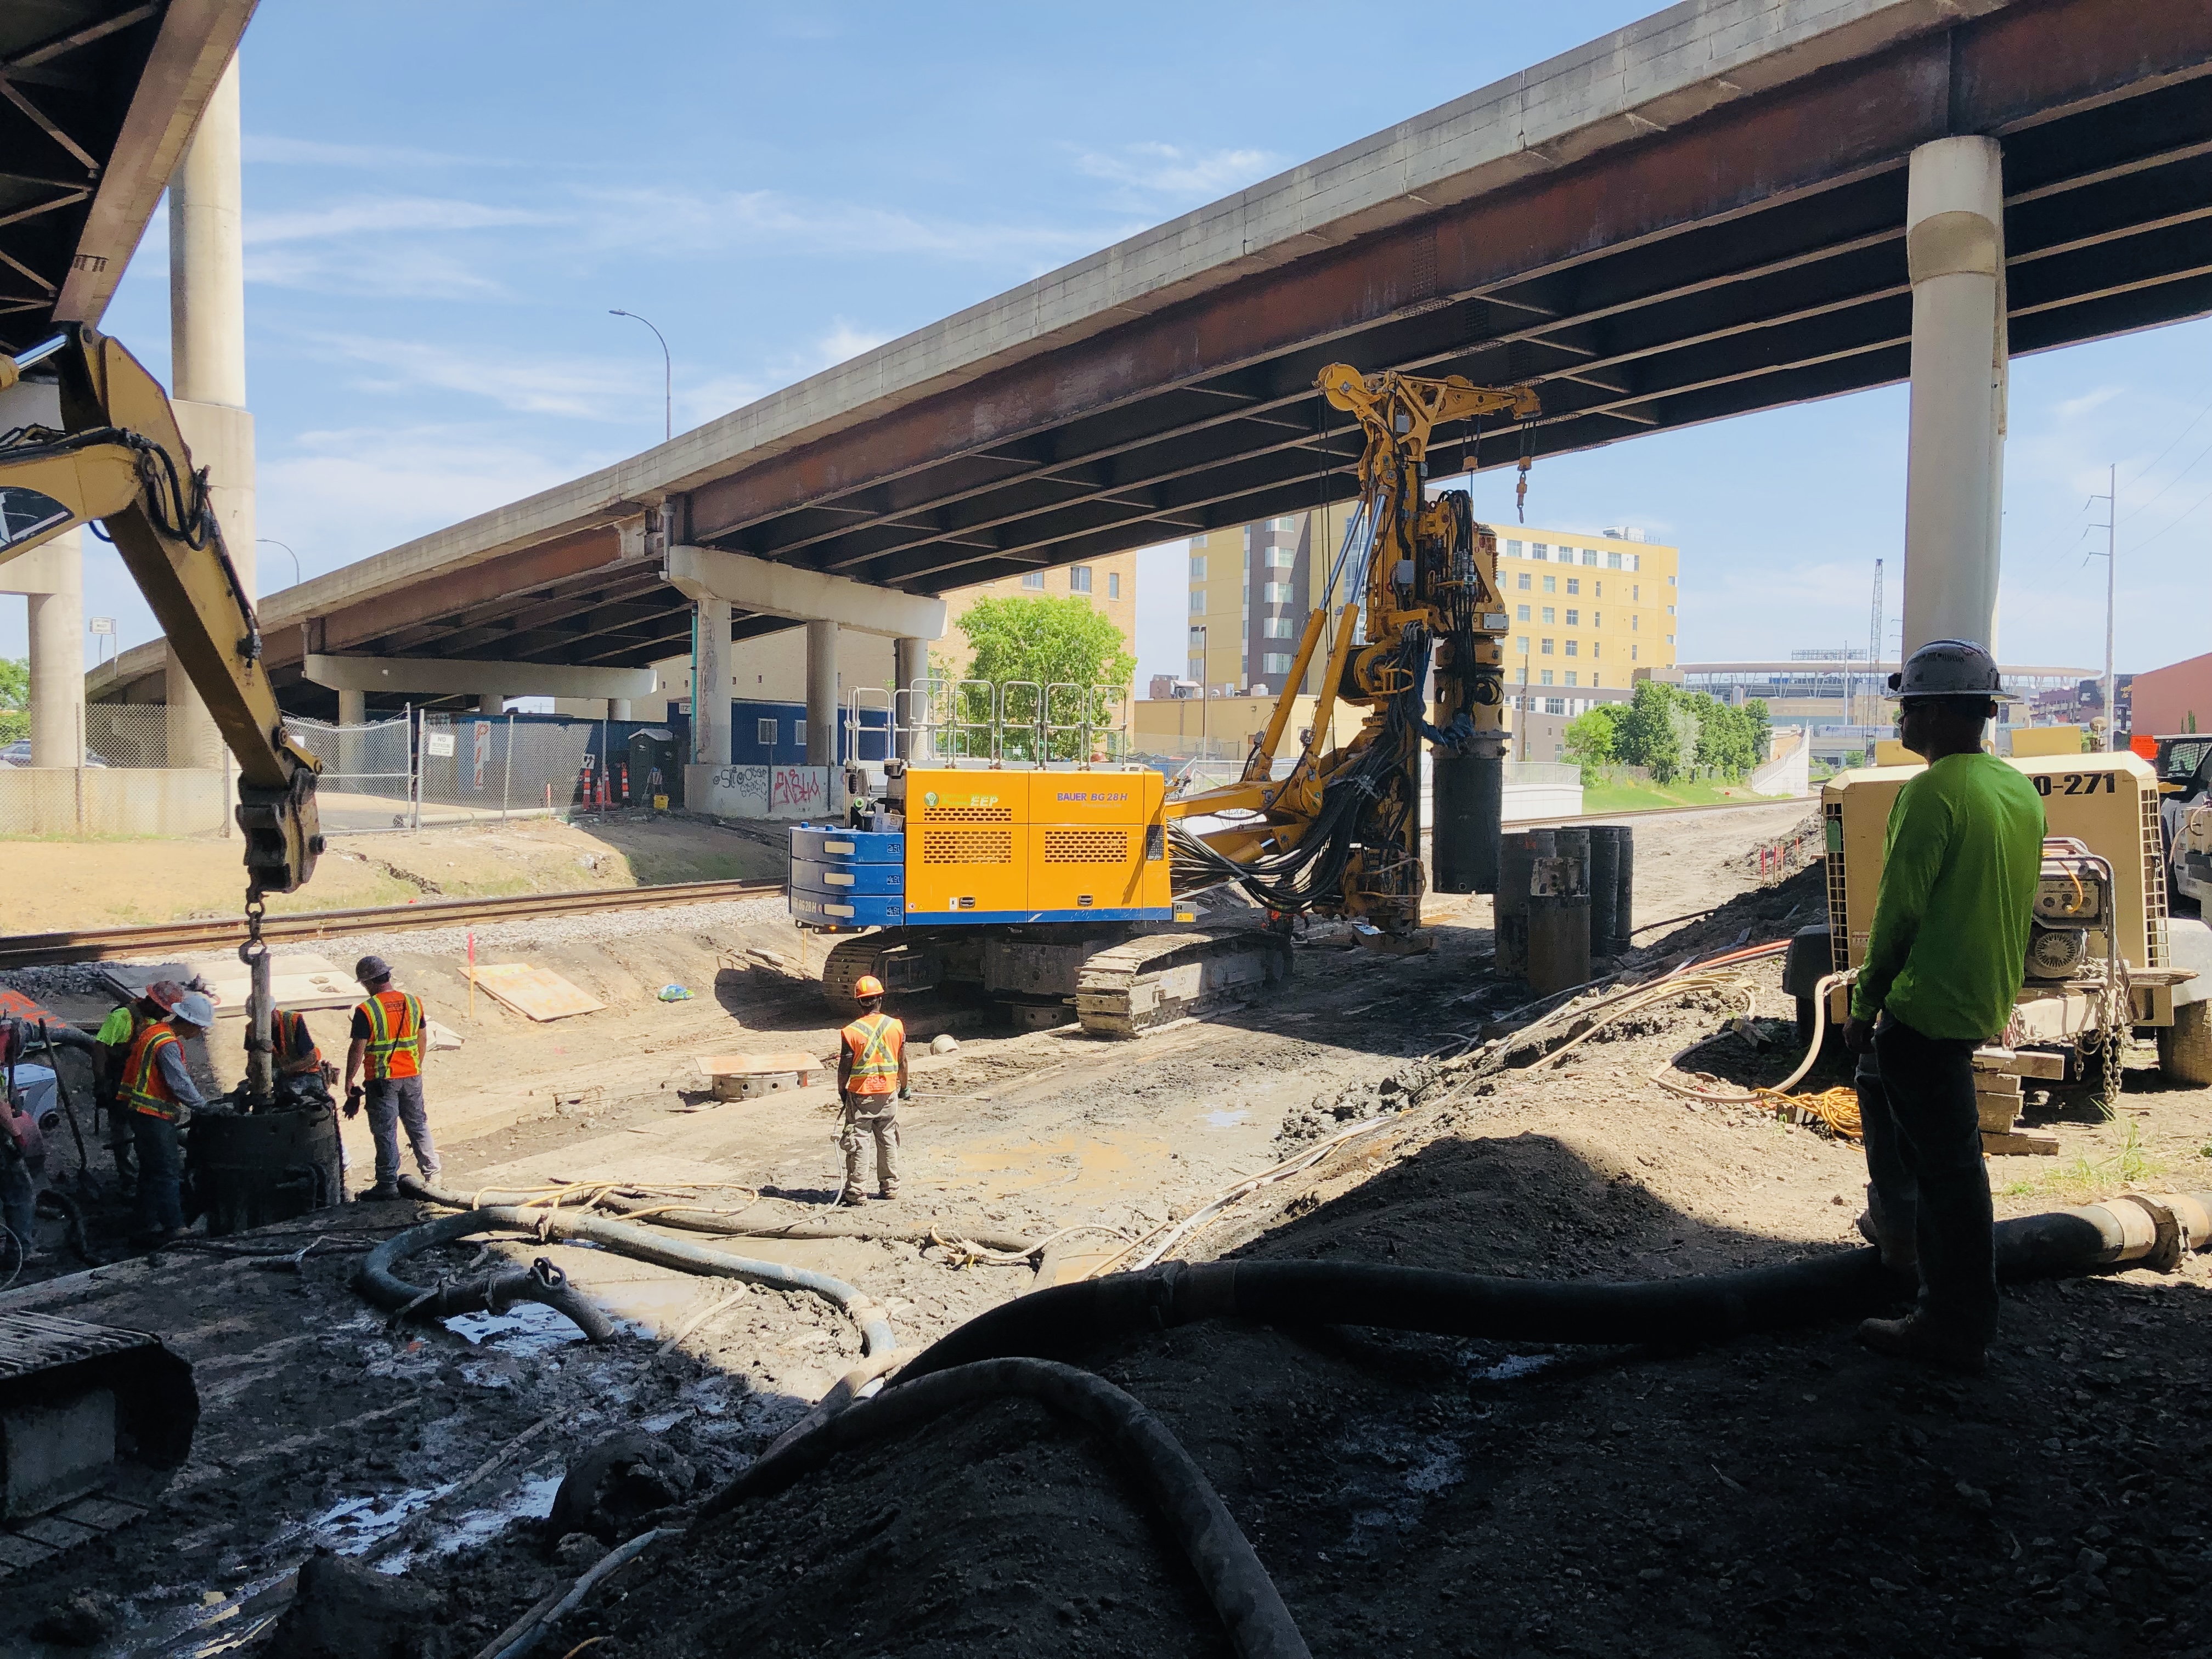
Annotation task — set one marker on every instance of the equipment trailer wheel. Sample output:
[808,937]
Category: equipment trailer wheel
[2185,1047]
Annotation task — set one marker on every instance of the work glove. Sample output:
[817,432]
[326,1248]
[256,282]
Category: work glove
[905,1092]
[353,1101]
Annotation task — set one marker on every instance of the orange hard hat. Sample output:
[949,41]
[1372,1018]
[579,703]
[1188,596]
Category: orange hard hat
[869,986]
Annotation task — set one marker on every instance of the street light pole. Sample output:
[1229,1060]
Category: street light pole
[273,542]
[667,374]
[2111,527]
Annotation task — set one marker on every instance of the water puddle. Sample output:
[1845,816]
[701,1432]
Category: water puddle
[1226,1119]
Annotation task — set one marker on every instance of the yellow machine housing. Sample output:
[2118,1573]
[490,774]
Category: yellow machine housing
[1086,845]
[2108,802]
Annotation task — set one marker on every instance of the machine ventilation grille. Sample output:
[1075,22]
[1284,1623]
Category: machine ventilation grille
[968,815]
[968,847]
[1086,846]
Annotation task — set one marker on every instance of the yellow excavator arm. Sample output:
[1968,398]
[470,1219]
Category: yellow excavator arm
[119,458]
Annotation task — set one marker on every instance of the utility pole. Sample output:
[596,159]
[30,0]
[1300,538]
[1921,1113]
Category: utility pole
[1873,653]
[2111,499]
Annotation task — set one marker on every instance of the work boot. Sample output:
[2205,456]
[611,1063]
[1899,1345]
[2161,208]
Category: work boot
[1917,1337]
[1899,1248]
[852,1195]
[383,1193]
[888,1193]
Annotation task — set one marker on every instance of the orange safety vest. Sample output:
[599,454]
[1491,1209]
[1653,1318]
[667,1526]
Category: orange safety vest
[143,1088]
[297,1052]
[395,1035]
[876,1040]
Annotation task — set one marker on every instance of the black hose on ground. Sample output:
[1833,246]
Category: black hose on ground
[730,1226]
[624,1239]
[1260,1626]
[1067,1320]
[494,1292]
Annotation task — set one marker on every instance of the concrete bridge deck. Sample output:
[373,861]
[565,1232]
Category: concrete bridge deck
[1699,215]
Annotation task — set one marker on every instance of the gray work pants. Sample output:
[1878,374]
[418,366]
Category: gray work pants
[1923,1146]
[863,1117]
[391,1102]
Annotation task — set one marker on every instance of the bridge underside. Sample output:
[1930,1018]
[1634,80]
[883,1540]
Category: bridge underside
[1747,259]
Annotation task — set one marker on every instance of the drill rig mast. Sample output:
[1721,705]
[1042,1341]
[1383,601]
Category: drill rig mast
[1341,835]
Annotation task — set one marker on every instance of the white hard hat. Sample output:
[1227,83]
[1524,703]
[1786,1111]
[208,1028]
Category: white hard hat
[1950,668]
[197,1008]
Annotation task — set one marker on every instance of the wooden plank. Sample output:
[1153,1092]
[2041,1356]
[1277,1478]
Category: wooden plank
[303,983]
[2021,1062]
[1996,1084]
[796,1060]
[2039,1143]
[1998,1113]
[537,993]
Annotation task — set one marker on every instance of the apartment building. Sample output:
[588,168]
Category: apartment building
[1109,583]
[1588,611]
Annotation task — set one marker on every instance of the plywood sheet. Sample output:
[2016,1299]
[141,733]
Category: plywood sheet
[303,983]
[539,993]
[753,1064]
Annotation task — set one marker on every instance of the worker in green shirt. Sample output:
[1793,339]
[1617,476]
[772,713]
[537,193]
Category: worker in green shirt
[1945,958]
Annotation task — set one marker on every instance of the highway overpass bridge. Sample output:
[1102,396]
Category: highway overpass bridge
[1708,213]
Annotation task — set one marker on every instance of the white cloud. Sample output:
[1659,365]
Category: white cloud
[2073,408]
[1146,172]
[583,389]
[339,495]
[763,222]
[384,216]
[277,150]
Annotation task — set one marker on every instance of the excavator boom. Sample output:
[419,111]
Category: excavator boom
[120,458]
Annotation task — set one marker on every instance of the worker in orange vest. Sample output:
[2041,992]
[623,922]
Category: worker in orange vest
[387,1040]
[871,1080]
[157,1091]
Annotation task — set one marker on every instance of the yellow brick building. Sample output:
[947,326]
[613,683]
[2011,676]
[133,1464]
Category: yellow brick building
[1587,610]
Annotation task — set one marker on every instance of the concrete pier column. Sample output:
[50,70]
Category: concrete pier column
[910,667]
[492,703]
[1954,254]
[353,711]
[618,708]
[822,707]
[57,666]
[207,348]
[710,686]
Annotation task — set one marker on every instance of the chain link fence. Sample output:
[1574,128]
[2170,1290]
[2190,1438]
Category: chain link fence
[124,787]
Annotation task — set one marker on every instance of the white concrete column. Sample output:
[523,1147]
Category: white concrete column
[710,685]
[207,347]
[353,709]
[57,655]
[1954,254]
[492,703]
[618,708]
[822,707]
[910,667]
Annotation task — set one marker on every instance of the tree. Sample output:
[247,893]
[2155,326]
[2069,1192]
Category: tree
[1593,741]
[1647,736]
[14,698]
[1043,642]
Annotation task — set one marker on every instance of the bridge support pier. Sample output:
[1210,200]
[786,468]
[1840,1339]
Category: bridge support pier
[492,703]
[1954,478]
[710,685]
[822,707]
[910,667]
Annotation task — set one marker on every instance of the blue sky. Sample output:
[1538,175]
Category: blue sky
[444,201]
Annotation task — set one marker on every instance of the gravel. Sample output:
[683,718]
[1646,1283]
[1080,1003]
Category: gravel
[580,928]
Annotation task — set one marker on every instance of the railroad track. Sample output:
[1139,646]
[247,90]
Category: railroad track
[167,938]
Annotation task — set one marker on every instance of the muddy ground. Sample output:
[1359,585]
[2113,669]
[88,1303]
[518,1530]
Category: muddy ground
[1407,1494]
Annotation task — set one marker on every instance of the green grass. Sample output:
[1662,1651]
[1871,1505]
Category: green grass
[2083,1179]
[1649,797]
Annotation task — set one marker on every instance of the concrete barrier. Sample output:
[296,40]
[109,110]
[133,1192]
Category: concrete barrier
[757,792]
[86,802]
